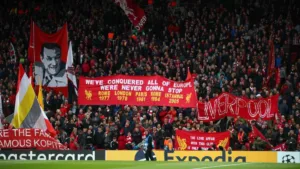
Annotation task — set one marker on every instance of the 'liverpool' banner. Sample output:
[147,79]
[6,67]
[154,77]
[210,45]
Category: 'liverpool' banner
[49,53]
[229,105]
[135,14]
[194,140]
[28,138]
[136,90]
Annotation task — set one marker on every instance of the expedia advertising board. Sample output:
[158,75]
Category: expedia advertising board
[197,156]
[52,155]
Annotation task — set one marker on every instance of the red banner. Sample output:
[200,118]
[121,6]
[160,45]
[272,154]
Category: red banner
[28,138]
[49,53]
[135,14]
[136,90]
[193,140]
[229,105]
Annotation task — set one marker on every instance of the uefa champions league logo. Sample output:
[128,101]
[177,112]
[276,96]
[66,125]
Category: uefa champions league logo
[288,159]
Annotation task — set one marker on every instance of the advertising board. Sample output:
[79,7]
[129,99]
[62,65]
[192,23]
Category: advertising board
[52,155]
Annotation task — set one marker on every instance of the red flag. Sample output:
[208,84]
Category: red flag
[134,13]
[189,76]
[257,133]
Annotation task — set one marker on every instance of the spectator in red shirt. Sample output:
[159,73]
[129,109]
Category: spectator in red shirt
[128,141]
[163,113]
[121,140]
[73,145]
[81,115]
[85,68]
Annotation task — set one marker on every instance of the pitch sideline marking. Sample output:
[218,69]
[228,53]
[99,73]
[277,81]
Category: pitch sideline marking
[217,166]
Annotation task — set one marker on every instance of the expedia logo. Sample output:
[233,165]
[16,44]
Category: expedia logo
[140,156]
[224,157]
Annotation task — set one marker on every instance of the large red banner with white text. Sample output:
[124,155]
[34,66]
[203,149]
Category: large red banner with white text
[195,140]
[135,14]
[229,105]
[28,138]
[136,90]
[49,53]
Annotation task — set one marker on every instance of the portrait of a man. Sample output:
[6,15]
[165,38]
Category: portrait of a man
[50,70]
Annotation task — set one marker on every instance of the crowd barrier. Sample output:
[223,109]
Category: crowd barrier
[138,155]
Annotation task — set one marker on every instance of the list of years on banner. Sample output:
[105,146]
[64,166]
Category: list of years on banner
[122,90]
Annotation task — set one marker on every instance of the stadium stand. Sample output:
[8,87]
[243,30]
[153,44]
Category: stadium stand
[225,43]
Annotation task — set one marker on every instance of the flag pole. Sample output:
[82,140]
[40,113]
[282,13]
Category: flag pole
[33,41]
[33,67]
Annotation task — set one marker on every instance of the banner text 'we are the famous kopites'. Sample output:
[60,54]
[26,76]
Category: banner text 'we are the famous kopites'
[28,138]
[136,90]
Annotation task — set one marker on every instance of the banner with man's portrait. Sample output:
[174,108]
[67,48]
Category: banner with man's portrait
[49,53]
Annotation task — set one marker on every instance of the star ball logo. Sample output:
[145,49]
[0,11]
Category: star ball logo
[288,159]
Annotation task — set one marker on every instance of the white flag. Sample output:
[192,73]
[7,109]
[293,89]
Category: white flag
[12,53]
[70,68]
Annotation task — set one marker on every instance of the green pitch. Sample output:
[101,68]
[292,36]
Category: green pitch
[138,165]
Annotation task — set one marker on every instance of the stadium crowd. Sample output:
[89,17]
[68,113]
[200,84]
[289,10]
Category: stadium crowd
[227,46]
